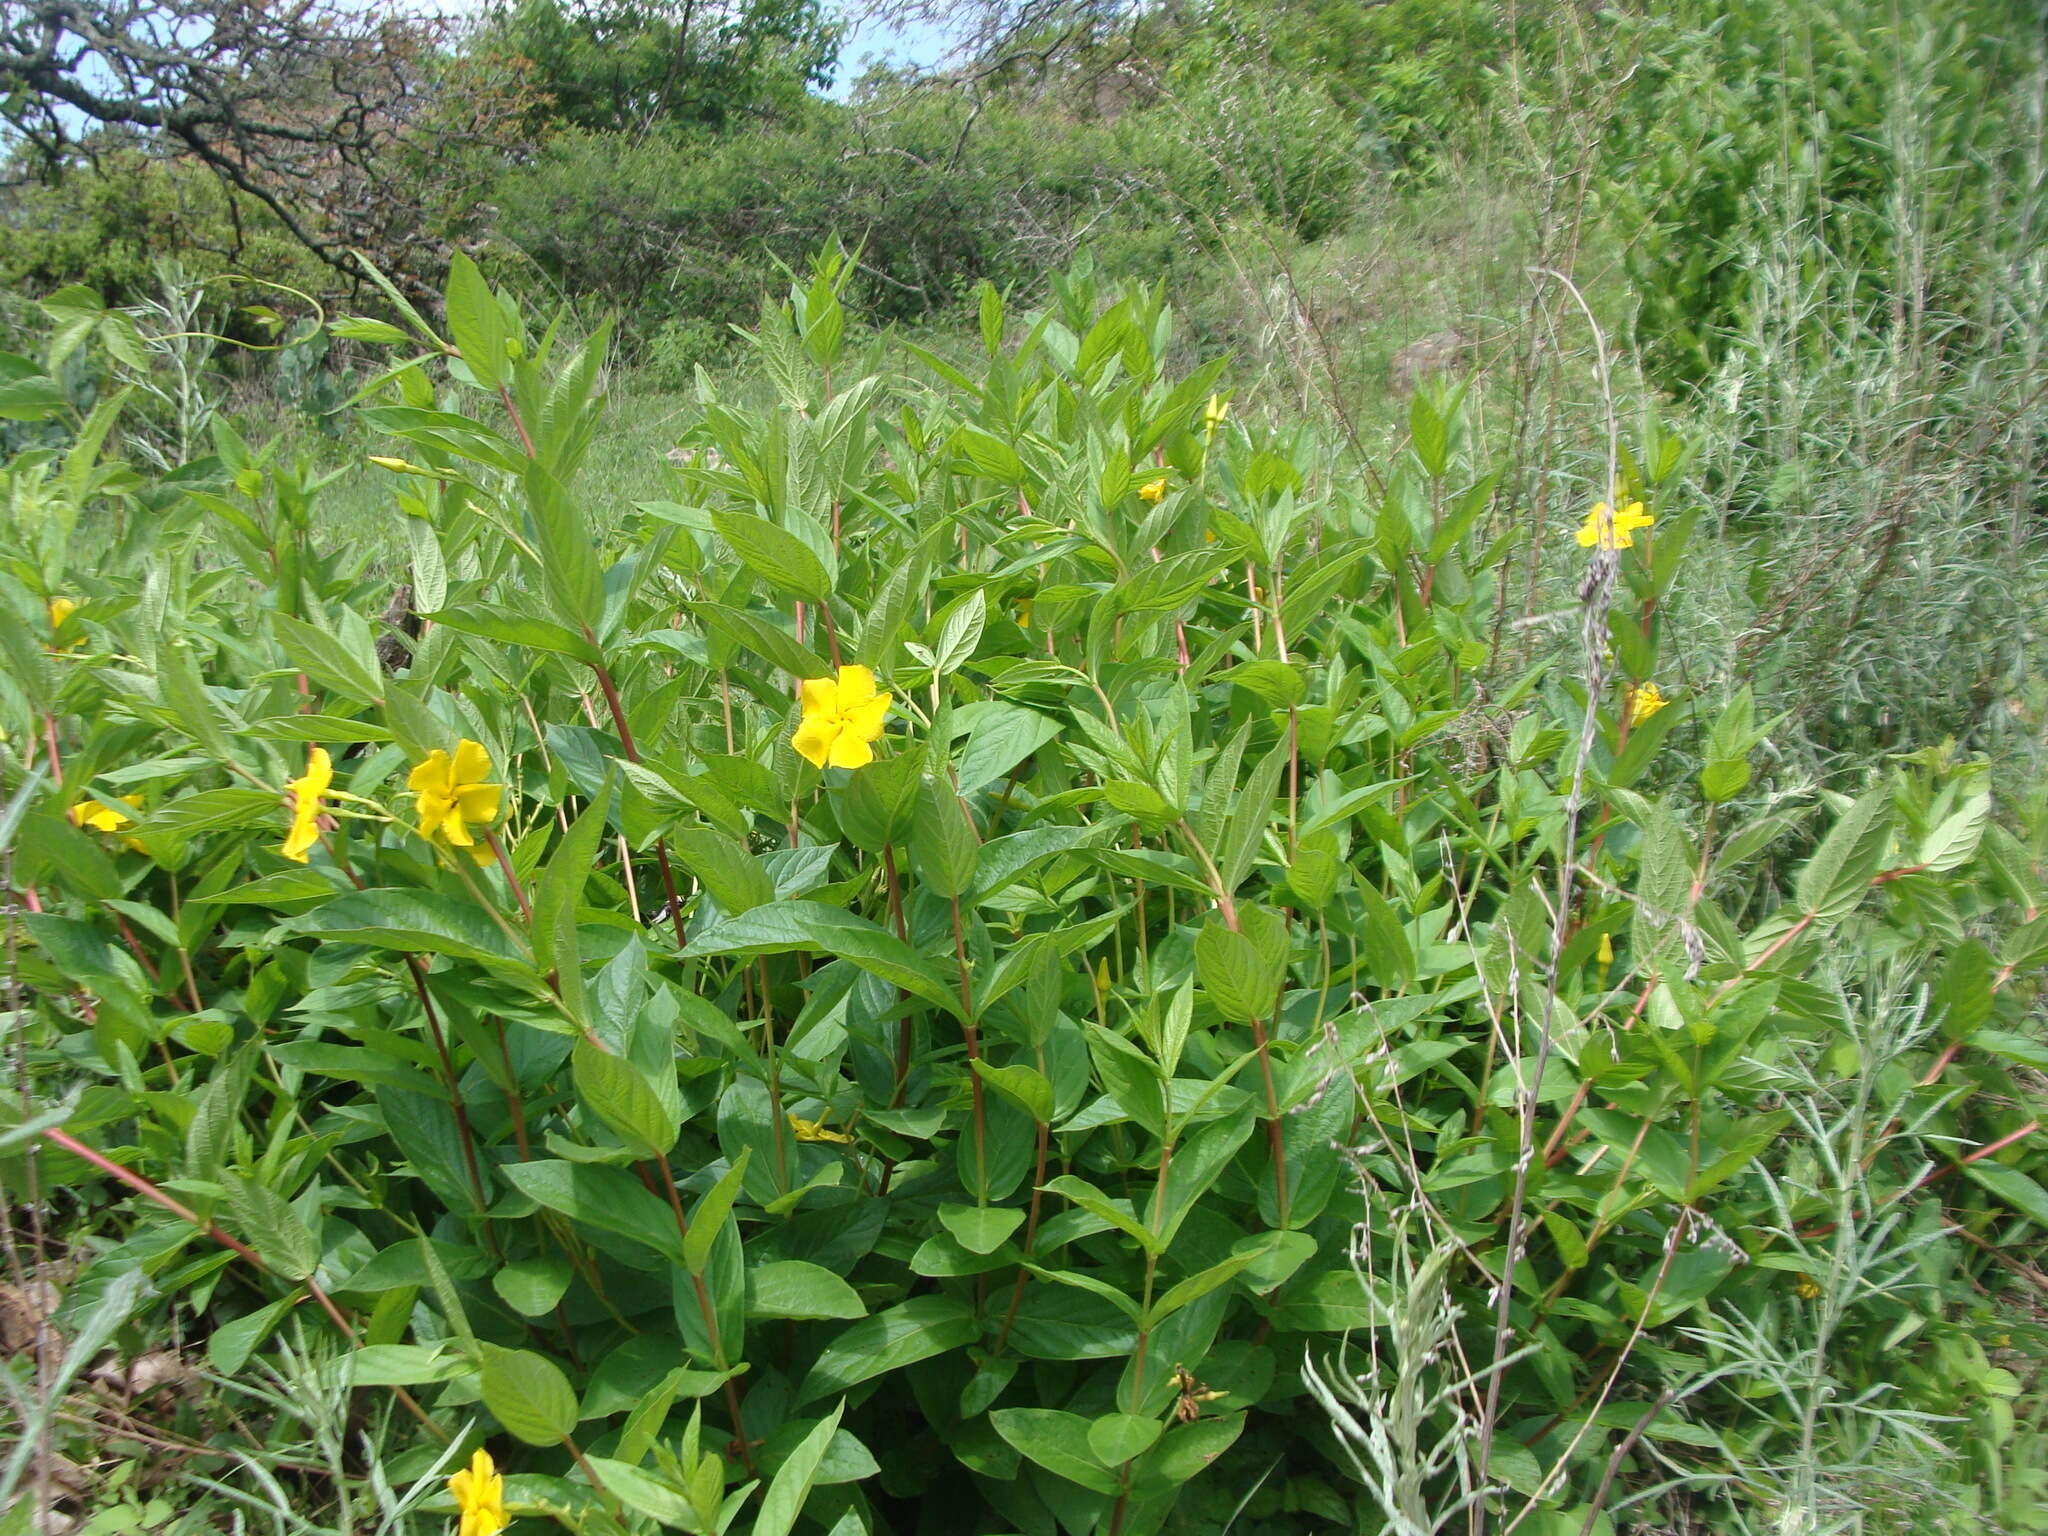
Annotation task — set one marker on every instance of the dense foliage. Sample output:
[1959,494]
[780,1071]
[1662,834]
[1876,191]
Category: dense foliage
[1227,1039]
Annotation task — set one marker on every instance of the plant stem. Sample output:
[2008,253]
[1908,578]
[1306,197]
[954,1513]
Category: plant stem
[618,709]
[974,1085]
[149,1191]
[710,1314]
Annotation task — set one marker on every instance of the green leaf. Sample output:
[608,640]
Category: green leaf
[476,322]
[763,639]
[991,456]
[775,555]
[1954,843]
[557,897]
[1200,1284]
[1058,1442]
[980,1228]
[2015,1188]
[944,845]
[1117,1213]
[999,737]
[1192,1447]
[212,810]
[1724,778]
[527,1393]
[910,1331]
[1834,880]
[1022,1086]
[785,926]
[1116,1438]
[1132,1078]
[508,628]
[791,1484]
[268,1224]
[643,1492]
[1278,683]
[605,1198]
[799,1289]
[413,921]
[328,660]
[316,728]
[533,1287]
[713,1211]
[732,875]
[1963,996]
[229,1346]
[1169,583]
[1233,974]
[644,1111]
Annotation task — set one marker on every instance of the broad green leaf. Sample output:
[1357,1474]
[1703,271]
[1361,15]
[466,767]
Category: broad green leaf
[644,1111]
[533,1287]
[910,1331]
[798,1289]
[1116,1438]
[776,555]
[601,1197]
[527,1393]
[1058,1442]
[476,322]
[1022,1086]
[1834,880]
[786,926]
[412,921]
[980,1228]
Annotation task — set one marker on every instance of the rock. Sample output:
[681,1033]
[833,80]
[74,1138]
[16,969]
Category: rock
[1438,352]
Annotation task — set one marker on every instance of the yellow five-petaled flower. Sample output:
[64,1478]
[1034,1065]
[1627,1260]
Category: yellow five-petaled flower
[306,791]
[453,795]
[1611,529]
[841,718]
[479,1494]
[1153,491]
[1644,701]
[104,818]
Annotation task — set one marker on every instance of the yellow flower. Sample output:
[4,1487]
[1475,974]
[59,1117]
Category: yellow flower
[1644,702]
[479,1494]
[1153,491]
[1611,529]
[104,818]
[1102,981]
[841,718]
[1023,612]
[452,793]
[306,793]
[814,1130]
[1605,953]
[400,466]
[1808,1290]
[1213,414]
[61,608]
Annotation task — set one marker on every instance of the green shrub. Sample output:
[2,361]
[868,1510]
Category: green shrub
[111,224]
[1211,1041]
[1870,106]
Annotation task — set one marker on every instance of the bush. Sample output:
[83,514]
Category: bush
[1205,1042]
[1870,107]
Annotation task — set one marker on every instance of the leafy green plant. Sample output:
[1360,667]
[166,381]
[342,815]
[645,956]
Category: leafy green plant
[1225,970]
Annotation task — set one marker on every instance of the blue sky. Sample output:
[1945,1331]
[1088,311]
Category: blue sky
[915,43]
